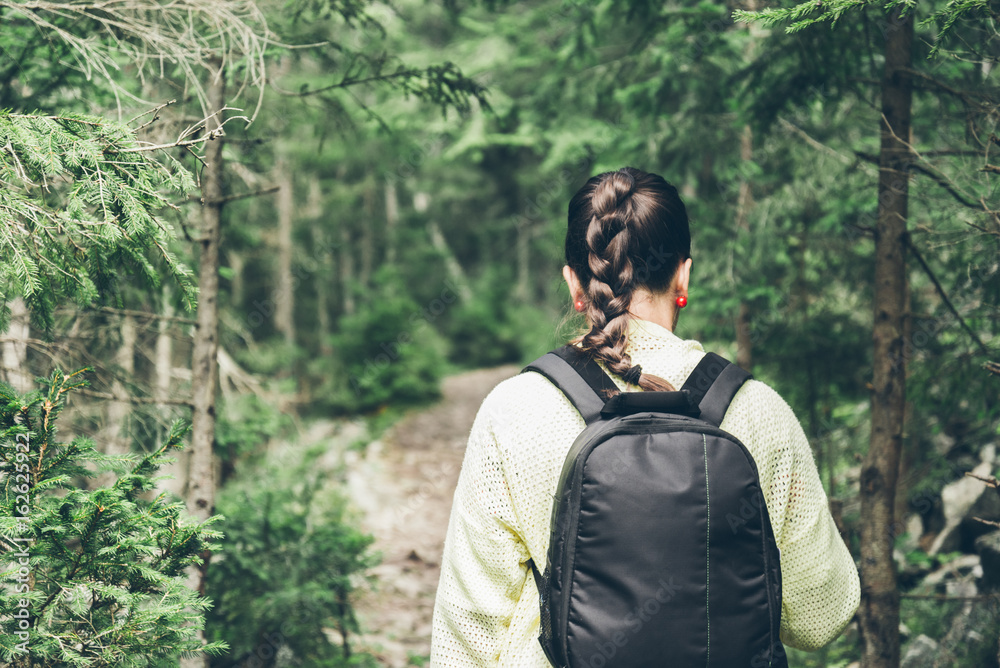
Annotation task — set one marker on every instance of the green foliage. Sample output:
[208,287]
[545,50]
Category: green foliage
[841,653]
[957,11]
[246,424]
[803,15]
[389,351]
[928,616]
[486,330]
[418,660]
[289,562]
[105,583]
[357,57]
[78,210]
[806,14]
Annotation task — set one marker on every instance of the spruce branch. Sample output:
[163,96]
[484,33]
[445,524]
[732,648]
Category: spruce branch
[806,14]
[80,189]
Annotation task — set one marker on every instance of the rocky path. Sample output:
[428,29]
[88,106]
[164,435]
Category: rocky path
[403,486]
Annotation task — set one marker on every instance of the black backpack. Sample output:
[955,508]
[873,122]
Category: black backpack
[661,551]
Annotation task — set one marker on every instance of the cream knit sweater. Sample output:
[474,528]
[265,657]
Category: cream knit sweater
[486,612]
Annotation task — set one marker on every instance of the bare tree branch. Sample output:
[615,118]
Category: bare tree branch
[197,36]
[819,146]
[942,181]
[944,297]
[947,597]
[129,312]
[135,400]
[991,481]
[155,111]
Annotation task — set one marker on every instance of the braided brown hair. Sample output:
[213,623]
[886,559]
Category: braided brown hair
[628,229]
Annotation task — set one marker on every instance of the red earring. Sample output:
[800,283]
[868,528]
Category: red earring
[579,305]
[682,301]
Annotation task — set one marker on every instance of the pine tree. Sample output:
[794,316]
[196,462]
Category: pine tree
[91,578]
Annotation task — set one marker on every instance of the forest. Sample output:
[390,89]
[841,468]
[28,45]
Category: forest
[261,261]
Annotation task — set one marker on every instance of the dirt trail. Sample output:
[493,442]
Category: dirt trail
[403,486]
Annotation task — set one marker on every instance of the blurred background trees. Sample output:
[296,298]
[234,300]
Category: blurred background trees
[394,213]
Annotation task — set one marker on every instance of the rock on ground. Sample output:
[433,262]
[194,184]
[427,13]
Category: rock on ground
[920,653]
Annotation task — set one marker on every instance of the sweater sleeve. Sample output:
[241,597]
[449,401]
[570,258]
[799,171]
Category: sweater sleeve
[483,569]
[820,584]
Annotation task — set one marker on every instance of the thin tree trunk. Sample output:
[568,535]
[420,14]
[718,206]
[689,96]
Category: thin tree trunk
[115,438]
[879,612]
[345,256]
[391,220]
[744,340]
[322,296]
[367,235]
[164,346]
[322,271]
[523,248]
[910,449]
[204,363]
[346,268]
[344,607]
[201,491]
[455,272]
[164,360]
[15,347]
[284,310]
[237,264]
[744,321]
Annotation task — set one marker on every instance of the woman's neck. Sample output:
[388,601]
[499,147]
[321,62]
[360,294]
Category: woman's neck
[657,308]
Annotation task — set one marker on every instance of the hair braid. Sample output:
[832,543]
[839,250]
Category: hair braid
[612,276]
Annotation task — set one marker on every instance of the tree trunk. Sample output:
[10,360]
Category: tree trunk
[879,612]
[204,363]
[284,309]
[455,272]
[322,297]
[115,438]
[15,347]
[346,268]
[164,355]
[391,220]
[164,346]
[522,287]
[744,340]
[907,476]
[322,269]
[237,264]
[367,235]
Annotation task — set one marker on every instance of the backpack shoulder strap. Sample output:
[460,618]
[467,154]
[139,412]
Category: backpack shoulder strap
[579,377]
[713,384]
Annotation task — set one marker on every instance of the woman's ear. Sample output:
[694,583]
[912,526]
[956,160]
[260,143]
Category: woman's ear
[683,277]
[575,289]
